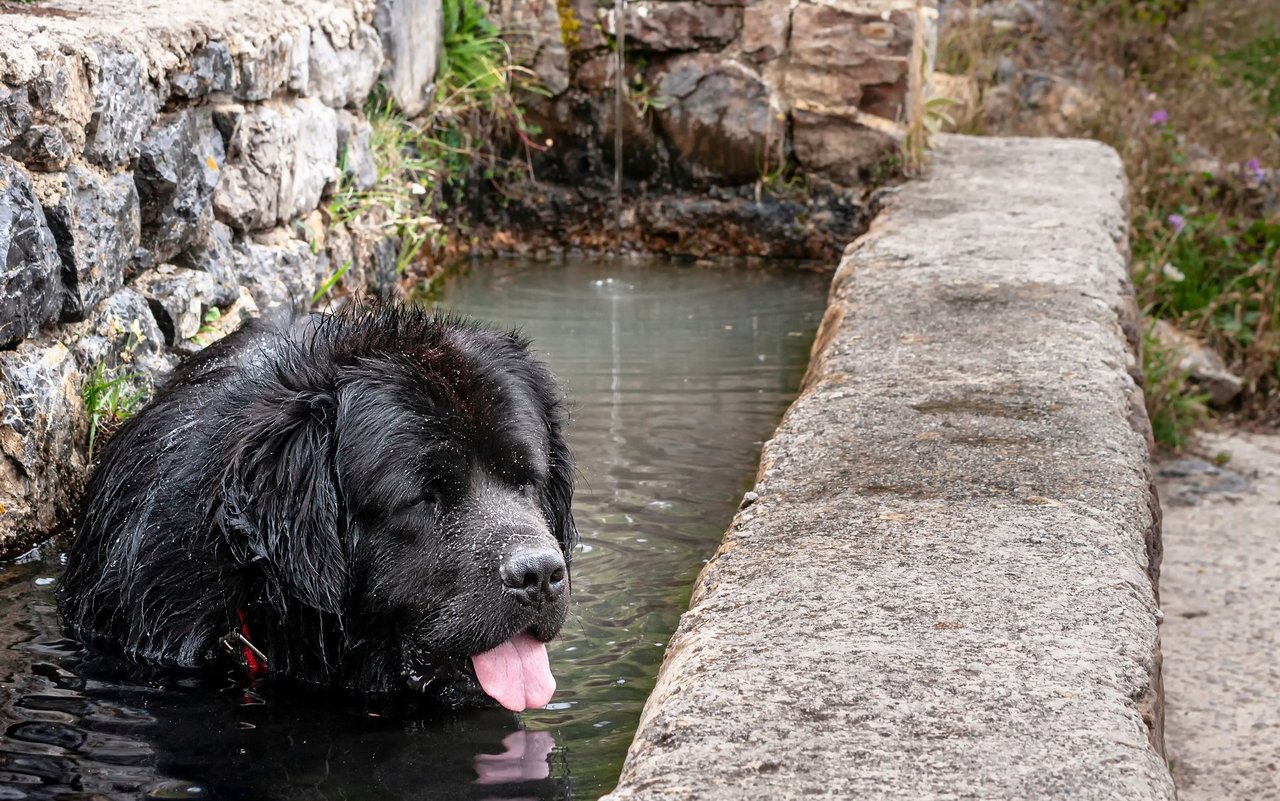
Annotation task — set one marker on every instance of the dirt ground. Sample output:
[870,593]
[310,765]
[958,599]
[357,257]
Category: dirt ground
[1220,591]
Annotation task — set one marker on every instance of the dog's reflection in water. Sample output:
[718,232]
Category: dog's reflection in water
[523,759]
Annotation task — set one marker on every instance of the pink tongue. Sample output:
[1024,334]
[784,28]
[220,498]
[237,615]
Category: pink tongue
[516,674]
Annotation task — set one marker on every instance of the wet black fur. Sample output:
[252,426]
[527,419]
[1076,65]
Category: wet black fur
[348,484]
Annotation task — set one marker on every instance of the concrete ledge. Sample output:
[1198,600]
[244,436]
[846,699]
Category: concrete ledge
[946,585]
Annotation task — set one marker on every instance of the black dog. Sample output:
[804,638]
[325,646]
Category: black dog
[372,500]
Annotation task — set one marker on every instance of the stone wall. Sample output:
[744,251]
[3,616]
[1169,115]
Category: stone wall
[720,91]
[164,169]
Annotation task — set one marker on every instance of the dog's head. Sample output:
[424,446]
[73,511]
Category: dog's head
[406,506]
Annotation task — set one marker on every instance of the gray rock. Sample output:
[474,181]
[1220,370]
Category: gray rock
[531,28]
[838,148]
[30,274]
[94,218]
[719,118]
[178,298]
[283,155]
[178,169]
[1188,480]
[239,312]
[355,151]
[121,335]
[215,256]
[1200,364]
[263,71]
[43,439]
[280,275]
[15,114]
[411,38]
[667,25]
[765,26]
[342,76]
[125,105]
[41,147]
[211,69]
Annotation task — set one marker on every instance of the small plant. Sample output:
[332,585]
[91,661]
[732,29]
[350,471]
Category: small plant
[331,281]
[109,400]
[1175,410]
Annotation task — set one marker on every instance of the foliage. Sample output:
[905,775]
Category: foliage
[110,398]
[425,165]
[113,394]
[1174,406]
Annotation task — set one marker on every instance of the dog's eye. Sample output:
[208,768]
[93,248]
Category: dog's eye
[427,499]
[528,490]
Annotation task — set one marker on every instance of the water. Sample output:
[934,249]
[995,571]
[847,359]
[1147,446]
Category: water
[676,374]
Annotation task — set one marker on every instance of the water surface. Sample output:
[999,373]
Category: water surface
[676,375]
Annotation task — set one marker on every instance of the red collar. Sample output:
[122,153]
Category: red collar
[237,642]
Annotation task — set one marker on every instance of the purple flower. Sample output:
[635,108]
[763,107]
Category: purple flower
[1259,174]
[1177,221]
[1159,117]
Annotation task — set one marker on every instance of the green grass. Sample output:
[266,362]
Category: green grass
[110,398]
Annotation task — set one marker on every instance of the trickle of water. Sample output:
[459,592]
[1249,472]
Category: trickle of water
[620,92]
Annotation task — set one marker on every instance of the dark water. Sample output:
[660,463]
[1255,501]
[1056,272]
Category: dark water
[676,374]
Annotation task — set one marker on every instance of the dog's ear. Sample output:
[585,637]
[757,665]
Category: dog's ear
[282,511]
[558,498]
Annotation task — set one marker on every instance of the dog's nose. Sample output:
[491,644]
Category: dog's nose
[534,575]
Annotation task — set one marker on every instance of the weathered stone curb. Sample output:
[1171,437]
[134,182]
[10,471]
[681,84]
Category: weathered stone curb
[943,586]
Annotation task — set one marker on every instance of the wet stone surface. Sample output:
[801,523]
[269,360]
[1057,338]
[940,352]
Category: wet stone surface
[30,272]
[1187,482]
[95,220]
[179,167]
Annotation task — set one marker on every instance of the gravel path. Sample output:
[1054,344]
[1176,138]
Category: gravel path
[1221,598]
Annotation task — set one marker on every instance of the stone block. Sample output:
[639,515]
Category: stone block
[31,290]
[94,219]
[719,119]
[125,106]
[178,298]
[837,55]
[15,115]
[121,335]
[43,439]
[765,26]
[838,148]
[342,75]
[531,28]
[411,33]
[214,255]
[263,71]
[677,25]
[178,169]
[279,272]
[41,147]
[281,158]
[210,69]
[239,312]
